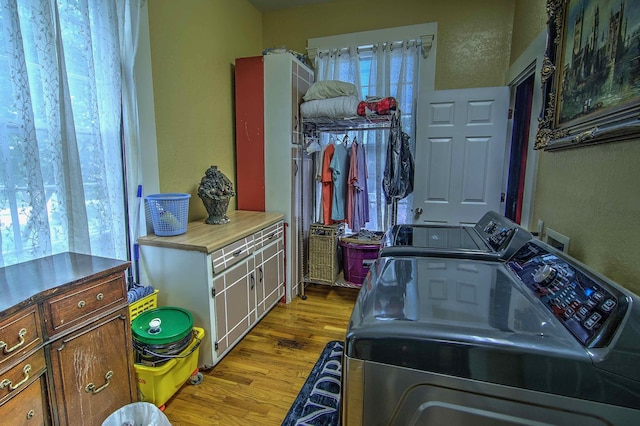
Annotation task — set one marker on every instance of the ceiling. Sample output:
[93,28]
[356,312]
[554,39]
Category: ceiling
[273,5]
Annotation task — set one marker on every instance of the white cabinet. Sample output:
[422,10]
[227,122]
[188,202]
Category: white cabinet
[228,276]
[269,148]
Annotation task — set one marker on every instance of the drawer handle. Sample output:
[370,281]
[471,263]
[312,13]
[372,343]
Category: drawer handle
[100,296]
[21,334]
[6,383]
[81,304]
[30,414]
[273,234]
[237,253]
[91,388]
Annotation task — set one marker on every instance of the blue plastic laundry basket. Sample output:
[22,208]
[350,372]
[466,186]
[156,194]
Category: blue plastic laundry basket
[169,213]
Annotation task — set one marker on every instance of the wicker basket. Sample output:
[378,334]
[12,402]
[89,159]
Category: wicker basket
[324,261]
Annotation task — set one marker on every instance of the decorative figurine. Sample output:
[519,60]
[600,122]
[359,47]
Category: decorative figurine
[215,190]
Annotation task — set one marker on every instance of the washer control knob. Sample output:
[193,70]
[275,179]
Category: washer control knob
[545,275]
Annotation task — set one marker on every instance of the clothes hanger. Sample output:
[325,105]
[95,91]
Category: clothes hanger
[314,146]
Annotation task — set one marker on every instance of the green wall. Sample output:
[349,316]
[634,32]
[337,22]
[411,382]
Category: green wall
[589,194]
[474,36]
[194,45]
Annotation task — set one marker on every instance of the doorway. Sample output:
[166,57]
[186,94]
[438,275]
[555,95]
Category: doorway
[519,149]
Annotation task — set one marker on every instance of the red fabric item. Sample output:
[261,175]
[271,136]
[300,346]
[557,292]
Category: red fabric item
[382,107]
[327,184]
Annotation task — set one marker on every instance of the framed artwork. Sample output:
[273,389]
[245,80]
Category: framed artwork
[590,74]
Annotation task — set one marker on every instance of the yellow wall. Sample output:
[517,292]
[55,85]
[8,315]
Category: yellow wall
[474,36]
[193,48]
[590,194]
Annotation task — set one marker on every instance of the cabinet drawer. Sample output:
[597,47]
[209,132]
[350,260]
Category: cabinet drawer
[268,235]
[27,406]
[231,254]
[74,307]
[21,375]
[18,334]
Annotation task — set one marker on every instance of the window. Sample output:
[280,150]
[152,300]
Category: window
[380,63]
[61,171]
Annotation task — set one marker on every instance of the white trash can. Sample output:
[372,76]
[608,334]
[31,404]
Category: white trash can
[137,414]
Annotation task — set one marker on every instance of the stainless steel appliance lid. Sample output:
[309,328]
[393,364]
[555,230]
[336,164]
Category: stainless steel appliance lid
[425,300]
[436,237]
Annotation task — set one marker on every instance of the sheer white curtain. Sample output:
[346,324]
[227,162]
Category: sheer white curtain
[61,169]
[377,70]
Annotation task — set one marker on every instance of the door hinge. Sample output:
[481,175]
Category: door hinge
[502,197]
[213,292]
[510,115]
[215,346]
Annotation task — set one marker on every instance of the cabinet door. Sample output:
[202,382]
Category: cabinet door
[93,371]
[270,276]
[27,407]
[235,303]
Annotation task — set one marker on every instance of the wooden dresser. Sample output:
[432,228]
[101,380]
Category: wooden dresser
[66,353]
[228,276]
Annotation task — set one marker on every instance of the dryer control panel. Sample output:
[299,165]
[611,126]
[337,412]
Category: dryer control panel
[589,307]
[500,233]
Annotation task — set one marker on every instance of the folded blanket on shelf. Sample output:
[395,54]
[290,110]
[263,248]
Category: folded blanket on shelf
[338,108]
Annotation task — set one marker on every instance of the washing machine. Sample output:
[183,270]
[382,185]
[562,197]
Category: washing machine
[493,237]
[538,339]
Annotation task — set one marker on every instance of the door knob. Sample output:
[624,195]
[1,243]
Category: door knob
[417,212]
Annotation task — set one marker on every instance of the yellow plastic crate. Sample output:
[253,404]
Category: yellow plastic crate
[158,384]
[144,304]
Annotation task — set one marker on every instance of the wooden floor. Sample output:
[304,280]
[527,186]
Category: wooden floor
[256,383]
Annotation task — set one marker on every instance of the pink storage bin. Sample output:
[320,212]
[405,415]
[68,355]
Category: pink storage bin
[353,256]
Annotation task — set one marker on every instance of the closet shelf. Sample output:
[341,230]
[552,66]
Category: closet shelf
[326,124]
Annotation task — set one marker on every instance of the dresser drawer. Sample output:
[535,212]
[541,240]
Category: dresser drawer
[231,254]
[18,334]
[74,307]
[268,235]
[27,406]
[20,375]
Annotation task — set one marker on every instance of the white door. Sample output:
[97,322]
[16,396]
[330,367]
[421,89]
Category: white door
[460,151]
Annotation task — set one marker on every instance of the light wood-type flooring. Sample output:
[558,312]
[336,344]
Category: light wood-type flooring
[257,381]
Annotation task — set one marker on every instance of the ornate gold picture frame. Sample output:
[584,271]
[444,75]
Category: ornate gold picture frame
[590,74]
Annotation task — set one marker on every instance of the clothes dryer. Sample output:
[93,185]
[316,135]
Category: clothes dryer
[538,339]
[494,237]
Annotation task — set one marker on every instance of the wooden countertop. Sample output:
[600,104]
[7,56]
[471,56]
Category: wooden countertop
[207,238]
[24,283]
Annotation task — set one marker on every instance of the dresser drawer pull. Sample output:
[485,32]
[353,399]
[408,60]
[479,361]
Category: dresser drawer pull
[30,414]
[81,304]
[273,234]
[91,388]
[6,383]
[21,334]
[100,296]
[237,253]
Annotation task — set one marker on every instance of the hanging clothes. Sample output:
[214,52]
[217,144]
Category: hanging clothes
[340,173]
[351,178]
[358,187]
[327,184]
[317,161]
[399,168]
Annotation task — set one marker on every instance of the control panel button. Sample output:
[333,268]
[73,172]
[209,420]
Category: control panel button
[593,320]
[608,305]
[583,311]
